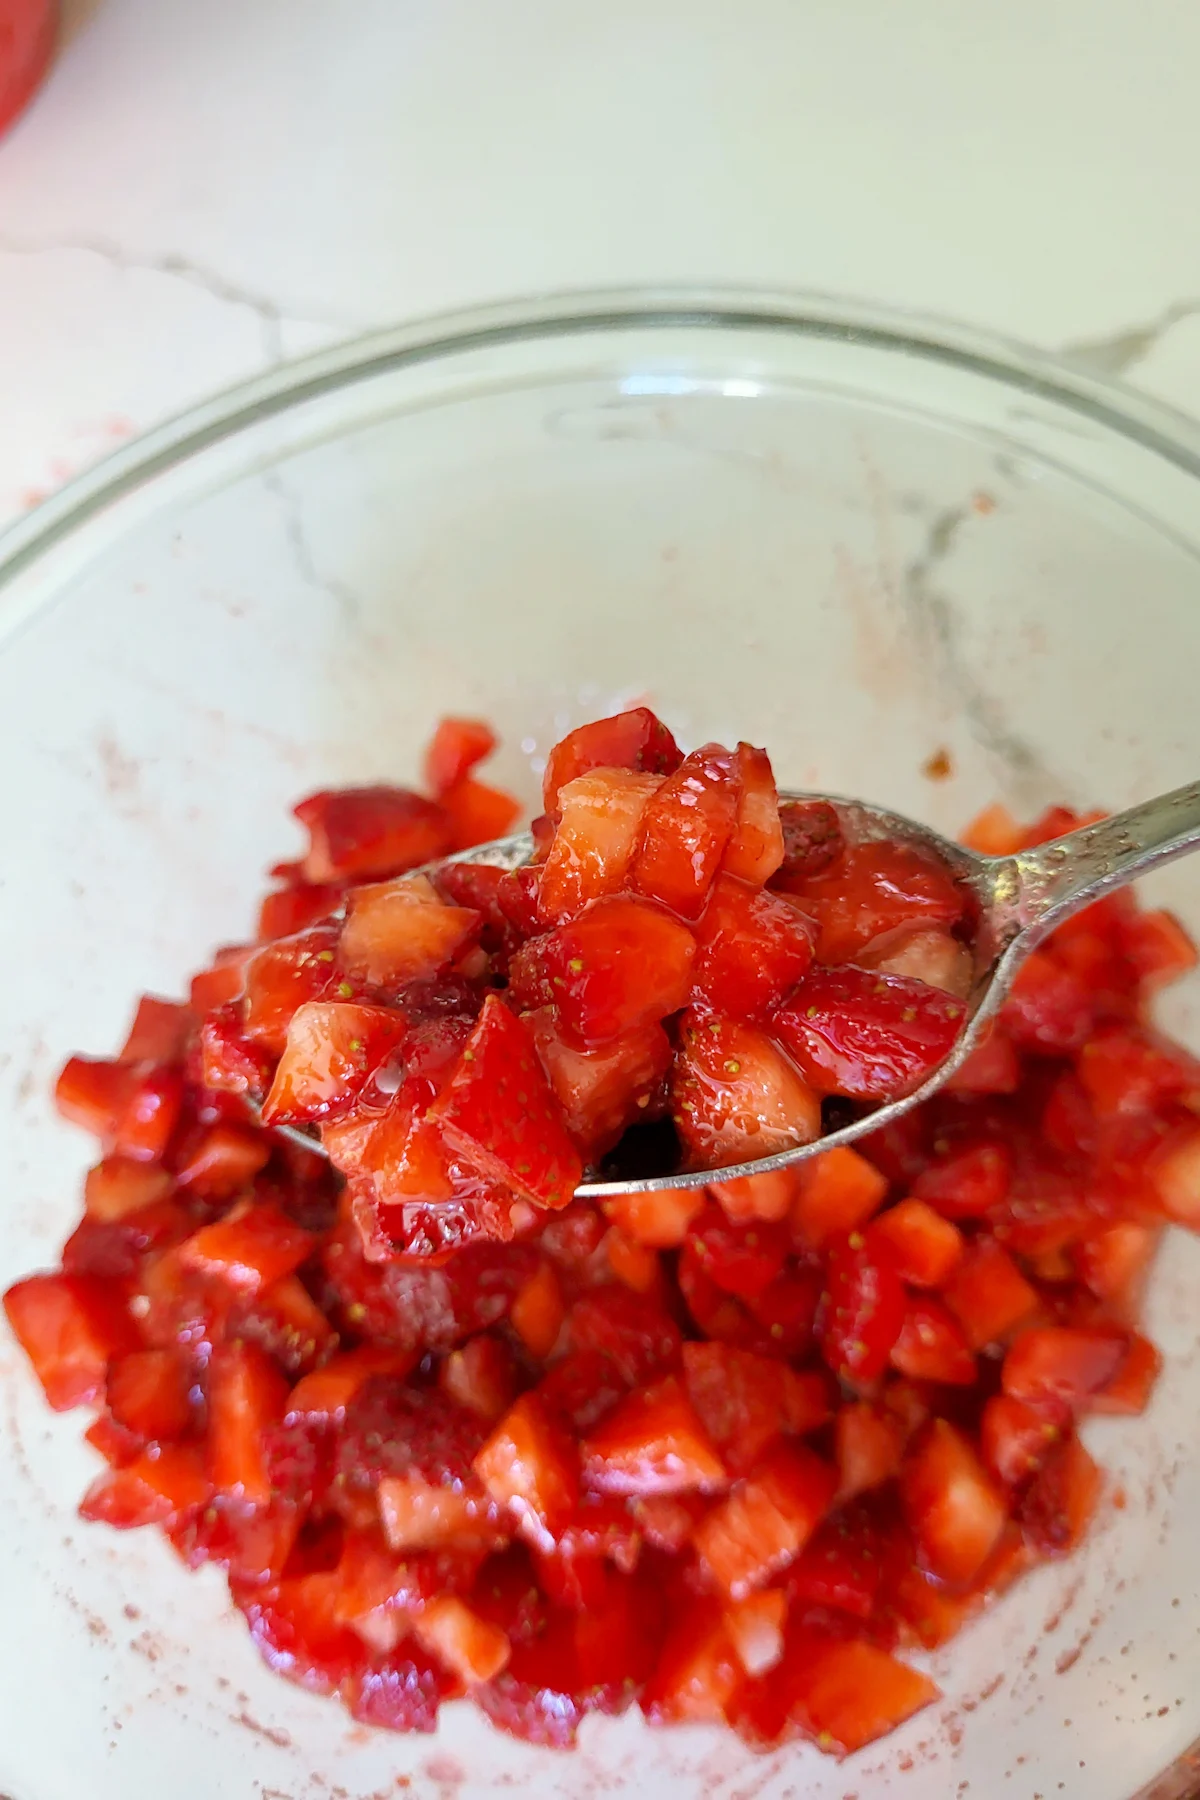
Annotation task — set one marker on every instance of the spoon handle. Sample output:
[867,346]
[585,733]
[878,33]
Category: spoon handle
[1041,887]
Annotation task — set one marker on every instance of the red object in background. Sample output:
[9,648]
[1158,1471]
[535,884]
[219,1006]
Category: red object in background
[28,29]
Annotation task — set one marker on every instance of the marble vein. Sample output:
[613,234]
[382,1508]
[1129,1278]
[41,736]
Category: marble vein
[1123,350]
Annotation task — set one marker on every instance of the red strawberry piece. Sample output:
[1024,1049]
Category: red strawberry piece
[364,834]
[603,1089]
[812,837]
[652,1443]
[735,1095]
[281,977]
[332,1050]
[623,963]
[764,1523]
[455,748]
[931,1346]
[756,847]
[630,740]
[685,829]
[69,1327]
[954,1509]
[751,949]
[595,841]
[862,1311]
[874,889]
[867,1036]
[398,931]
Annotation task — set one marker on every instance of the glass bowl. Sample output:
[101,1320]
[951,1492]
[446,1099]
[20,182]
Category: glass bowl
[881,547]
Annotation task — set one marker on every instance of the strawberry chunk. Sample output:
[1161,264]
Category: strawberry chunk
[246,1395]
[499,1112]
[841,1566]
[931,1346]
[1059,1506]
[812,838]
[755,1626]
[967,1184]
[874,889]
[530,1469]
[331,1052]
[1175,1173]
[735,1096]
[595,842]
[399,931]
[481,1376]
[764,1523]
[70,1327]
[770,1196]
[160,1032]
[477,813]
[604,1088]
[653,1443]
[685,829]
[751,949]
[1064,1363]
[223,1162]
[94,1093]
[630,740]
[251,1247]
[1015,1438]
[934,957]
[988,1294]
[755,849]
[843,1693]
[867,1036]
[923,1247]
[281,977]
[992,1067]
[624,963]
[1157,948]
[699,1671]
[863,1310]
[147,1394]
[119,1186]
[159,1487]
[1049,1011]
[454,750]
[473,1648]
[953,1508]
[835,1193]
[745,1401]
[538,1312]
[293,909]
[365,834]
[868,1443]
[658,1220]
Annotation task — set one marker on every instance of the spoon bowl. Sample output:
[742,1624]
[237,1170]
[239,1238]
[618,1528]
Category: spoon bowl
[1019,900]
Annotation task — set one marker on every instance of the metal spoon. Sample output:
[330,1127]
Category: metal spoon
[1021,899]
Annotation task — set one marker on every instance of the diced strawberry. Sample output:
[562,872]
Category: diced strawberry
[874,889]
[764,1523]
[595,842]
[147,1394]
[322,1396]
[70,1327]
[1058,1508]
[631,1330]
[1064,1363]
[862,1311]
[582,1387]
[699,1670]
[399,931]
[481,1377]
[931,1346]
[1049,1011]
[666,1521]
[992,1067]
[752,947]
[288,1324]
[1015,1438]
[1128,1071]
[364,834]
[624,963]
[812,837]
[840,1567]
[756,848]
[223,1161]
[993,832]
[988,1294]
[332,1051]
[786,1313]
[538,1311]
[224,981]
[1113,1263]
[1157,947]
[632,1263]
[94,1093]
[685,829]
[293,909]
[735,1096]
[246,1394]
[426,1515]
[281,977]
[119,1186]
[1130,1389]
[629,740]
[297,1630]
[159,1487]
[1175,1172]
[924,1248]
[741,1259]
[530,1469]
[455,748]
[658,1220]
[603,1089]
[499,1112]
[868,1443]
[251,1247]
[934,957]
[477,812]
[477,887]
[954,1510]
[114,1249]
[770,1196]
[841,1692]
[864,1035]
[967,1184]
[160,1031]
[473,1648]
[755,1627]
[837,1191]
[745,1402]
[653,1443]
[231,1061]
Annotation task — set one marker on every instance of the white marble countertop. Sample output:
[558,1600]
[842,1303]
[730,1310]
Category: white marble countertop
[201,190]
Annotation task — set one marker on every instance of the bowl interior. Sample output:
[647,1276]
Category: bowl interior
[846,545]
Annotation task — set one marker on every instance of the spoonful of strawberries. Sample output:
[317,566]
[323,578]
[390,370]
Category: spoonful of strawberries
[679,975]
